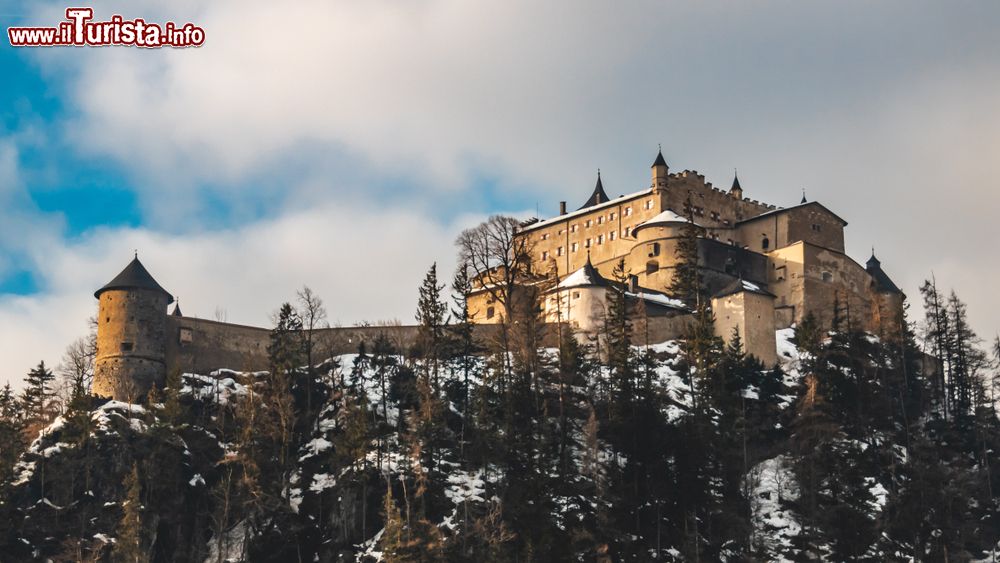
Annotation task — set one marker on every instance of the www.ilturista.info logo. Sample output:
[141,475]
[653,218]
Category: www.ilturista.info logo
[79,31]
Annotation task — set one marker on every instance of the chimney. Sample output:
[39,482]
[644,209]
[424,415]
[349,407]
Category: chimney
[562,207]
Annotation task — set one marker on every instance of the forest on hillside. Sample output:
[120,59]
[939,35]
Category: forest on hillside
[853,447]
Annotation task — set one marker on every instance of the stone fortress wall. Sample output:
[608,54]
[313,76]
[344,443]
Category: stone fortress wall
[195,345]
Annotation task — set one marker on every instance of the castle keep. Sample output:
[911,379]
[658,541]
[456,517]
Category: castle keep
[764,267]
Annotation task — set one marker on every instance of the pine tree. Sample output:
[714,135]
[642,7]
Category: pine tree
[129,543]
[687,284]
[11,432]
[285,353]
[461,345]
[37,394]
[431,313]
[395,540]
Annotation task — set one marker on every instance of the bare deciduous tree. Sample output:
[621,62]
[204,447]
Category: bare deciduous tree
[498,258]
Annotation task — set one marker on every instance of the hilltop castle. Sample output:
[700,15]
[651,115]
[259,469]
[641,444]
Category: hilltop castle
[765,268]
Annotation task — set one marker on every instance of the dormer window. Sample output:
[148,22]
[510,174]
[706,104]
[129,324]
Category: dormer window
[765,243]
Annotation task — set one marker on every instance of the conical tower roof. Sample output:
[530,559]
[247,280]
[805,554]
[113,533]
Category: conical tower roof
[134,276]
[883,284]
[736,183]
[177,309]
[598,197]
[660,161]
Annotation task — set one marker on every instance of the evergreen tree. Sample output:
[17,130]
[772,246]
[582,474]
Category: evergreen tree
[431,314]
[687,284]
[37,395]
[11,433]
[129,546]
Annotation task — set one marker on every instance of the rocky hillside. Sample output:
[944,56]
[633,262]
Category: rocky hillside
[853,447]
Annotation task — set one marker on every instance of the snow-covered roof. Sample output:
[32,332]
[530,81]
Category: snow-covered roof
[584,277]
[742,285]
[559,218]
[657,298]
[667,217]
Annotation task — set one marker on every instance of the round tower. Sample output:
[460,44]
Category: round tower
[131,335]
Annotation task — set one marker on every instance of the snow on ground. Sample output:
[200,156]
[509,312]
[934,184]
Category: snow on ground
[772,486]
[221,387]
[315,447]
[228,548]
[463,487]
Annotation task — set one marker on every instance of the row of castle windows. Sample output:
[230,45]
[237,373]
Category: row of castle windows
[627,212]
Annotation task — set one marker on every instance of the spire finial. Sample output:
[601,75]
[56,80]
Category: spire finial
[803,196]
[136,253]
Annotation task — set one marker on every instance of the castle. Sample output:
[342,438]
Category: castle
[764,267]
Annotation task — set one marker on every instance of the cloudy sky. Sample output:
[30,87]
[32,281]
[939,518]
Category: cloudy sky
[343,145]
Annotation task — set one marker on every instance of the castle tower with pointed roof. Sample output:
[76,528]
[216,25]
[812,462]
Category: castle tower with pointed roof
[131,335]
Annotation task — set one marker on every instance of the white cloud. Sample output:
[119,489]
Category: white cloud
[365,263]
[885,113]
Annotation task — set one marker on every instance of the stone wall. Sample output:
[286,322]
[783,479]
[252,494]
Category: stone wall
[752,314]
[202,346]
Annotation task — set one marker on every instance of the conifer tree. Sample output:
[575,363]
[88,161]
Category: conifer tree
[11,428]
[686,284]
[129,542]
[37,394]
[431,315]
[285,354]
[461,344]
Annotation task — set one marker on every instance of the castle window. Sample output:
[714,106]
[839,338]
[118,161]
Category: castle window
[649,204]
[576,295]
[715,215]
[611,235]
[126,346]
[815,227]
[559,251]
[572,228]
[545,255]
[600,220]
[574,247]
[765,243]
[611,216]
[628,231]
[589,222]
[600,239]
[827,277]
[628,211]
[185,336]
[652,267]
[490,312]
[545,236]
[654,249]
[587,243]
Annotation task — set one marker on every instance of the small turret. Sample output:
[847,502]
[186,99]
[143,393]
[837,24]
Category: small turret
[131,335]
[660,173]
[598,197]
[736,191]
[882,282]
